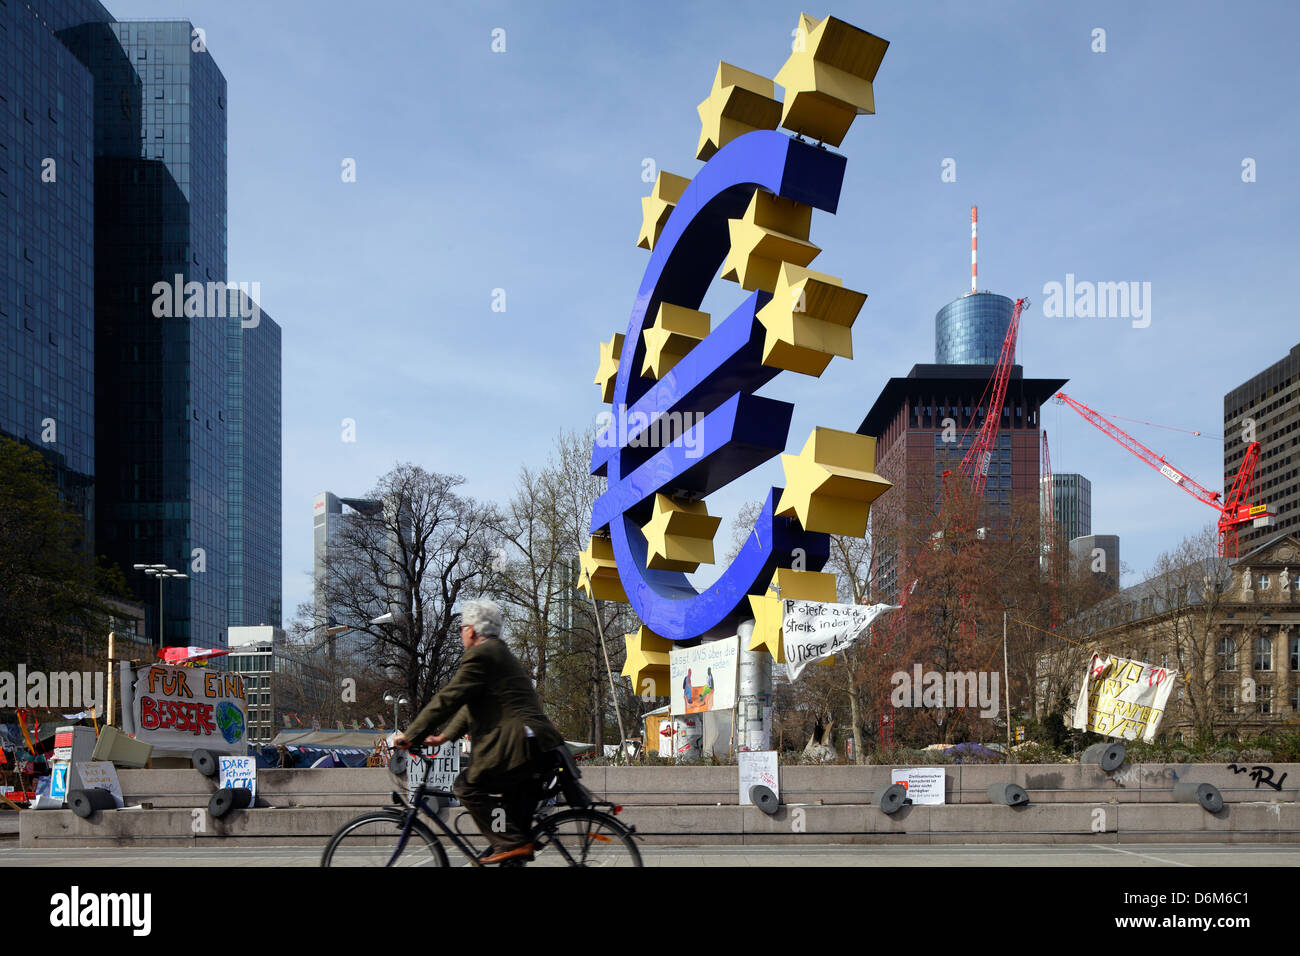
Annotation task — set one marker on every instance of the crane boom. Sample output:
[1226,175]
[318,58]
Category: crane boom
[975,464]
[1233,513]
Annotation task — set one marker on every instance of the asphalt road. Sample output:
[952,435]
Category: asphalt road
[1137,855]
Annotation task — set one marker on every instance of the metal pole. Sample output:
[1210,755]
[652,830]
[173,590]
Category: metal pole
[600,630]
[162,639]
[108,718]
[1006,680]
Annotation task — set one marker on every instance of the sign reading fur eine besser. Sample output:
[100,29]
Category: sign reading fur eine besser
[186,708]
[1123,698]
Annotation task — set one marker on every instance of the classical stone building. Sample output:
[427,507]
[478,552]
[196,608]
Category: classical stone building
[1230,627]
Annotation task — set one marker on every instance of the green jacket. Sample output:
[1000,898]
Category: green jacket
[493,697]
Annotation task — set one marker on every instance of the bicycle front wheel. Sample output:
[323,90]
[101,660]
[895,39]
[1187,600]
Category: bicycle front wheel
[375,839]
[582,837]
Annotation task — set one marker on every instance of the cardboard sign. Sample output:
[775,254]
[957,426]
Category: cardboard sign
[703,678]
[59,781]
[758,767]
[182,709]
[102,774]
[236,773]
[438,771]
[925,785]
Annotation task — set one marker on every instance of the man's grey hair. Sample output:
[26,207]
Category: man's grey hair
[484,616]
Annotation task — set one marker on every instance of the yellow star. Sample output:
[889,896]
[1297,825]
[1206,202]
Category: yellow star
[740,102]
[599,579]
[607,371]
[831,483]
[828,78]
[772,231]
[769,611]
[658,206]
[676,331]
[680,534]
[809,320]
[647,662]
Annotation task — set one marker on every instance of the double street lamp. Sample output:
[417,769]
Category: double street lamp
[161,572]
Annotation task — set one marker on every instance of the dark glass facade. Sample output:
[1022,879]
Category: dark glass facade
[970,330]
[47,182]
[253,505]
[1071,505]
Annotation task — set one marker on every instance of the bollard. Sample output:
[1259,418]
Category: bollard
[1109,756]
[1206,794]
[763,798]
[86,802]
[1009,794]
[891,799]
[205,762]
[223,801]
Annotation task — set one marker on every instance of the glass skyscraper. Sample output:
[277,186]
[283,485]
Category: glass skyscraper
[47,186]
[970,330]
[158,395]
[1071,504]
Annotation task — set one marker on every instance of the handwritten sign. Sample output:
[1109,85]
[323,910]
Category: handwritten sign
[925,785]
[1123,698]
[237,773]
[438,771]
[703,678]
[813,630]
[181,709]
[101,774]
[757,767]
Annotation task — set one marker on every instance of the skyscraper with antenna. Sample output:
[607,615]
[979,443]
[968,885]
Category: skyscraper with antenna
[969,330]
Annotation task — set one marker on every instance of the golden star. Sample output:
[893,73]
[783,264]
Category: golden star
[658,206]
[769,611]
[680,534]
[739,103]
[647,662]
[599,579]
[607,371]
[809,320]
[676,331]
[831,483]
[772,231]
[828,78]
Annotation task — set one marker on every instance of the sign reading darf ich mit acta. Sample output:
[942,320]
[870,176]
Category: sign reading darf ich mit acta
[182,709]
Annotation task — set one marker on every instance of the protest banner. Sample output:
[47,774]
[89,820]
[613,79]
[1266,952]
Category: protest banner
[182,709]
[237,773]
[704,678]
[758,767]
[1123,698]
[813,630]
[924,785]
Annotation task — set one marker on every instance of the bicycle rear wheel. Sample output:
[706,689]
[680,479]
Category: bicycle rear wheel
[372,840]
[581,837]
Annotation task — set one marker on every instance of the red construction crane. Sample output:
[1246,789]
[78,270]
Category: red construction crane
[975,465]
[1048,504]
[1233,513]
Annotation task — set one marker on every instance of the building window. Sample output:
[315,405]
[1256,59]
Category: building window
[1227,698]
[1227,654]
[1295,653]
[1264,698]
[1295,699]
[1263,582]
[1263,654]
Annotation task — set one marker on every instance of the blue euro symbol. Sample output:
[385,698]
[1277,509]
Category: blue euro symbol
[735,430]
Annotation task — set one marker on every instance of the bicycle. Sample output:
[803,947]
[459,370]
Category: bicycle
[582,835]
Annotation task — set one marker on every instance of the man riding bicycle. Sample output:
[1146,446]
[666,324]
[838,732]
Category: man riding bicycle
[510,737]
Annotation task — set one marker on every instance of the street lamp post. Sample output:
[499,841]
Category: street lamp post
[391,699]
[161,571]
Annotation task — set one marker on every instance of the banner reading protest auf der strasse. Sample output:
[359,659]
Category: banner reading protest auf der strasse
[182,709]
[814,630]
[1123,698]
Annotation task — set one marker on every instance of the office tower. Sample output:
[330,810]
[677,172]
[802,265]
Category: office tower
[1266,408]
[47,230]
[970,330]
[1098,554]
[1071,505]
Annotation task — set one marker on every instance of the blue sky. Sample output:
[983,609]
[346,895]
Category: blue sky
[522,171]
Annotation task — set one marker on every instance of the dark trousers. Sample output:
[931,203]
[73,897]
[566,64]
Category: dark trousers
[505,819]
